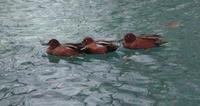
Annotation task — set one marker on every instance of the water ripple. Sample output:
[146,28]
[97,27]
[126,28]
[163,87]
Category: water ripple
[164,76]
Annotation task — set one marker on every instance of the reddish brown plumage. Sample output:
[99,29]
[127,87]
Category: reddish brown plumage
[55,48]
[97,47]
[131,41]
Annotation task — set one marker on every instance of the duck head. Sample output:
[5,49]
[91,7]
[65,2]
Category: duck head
[87,40]
[129,37]
[53,43]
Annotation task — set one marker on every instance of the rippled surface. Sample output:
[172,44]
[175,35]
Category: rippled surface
[165,76]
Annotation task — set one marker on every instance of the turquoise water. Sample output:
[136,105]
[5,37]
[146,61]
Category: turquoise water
[164,76]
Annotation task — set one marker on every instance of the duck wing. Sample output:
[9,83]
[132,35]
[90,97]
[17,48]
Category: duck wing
[76,46]
[111,46]
[108,42]
[150,35]
[101,42]
[154,38]
[85,50]
[111,42]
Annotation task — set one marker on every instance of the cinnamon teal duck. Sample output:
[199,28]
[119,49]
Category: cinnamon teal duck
[67,49]
[98,47]
[144,41]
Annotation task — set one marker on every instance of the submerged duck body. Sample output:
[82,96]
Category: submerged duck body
[68,49]
[144,41]
[98,47]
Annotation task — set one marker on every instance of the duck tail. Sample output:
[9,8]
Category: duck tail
[163,42]
[112,48]
[160,42]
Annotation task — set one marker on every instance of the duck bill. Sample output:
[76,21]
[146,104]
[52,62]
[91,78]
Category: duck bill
[44,44]
[120,40]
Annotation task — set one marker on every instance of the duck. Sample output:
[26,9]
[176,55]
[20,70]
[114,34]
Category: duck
[143,41]
[67,49]
[98,47]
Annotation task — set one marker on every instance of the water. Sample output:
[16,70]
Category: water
[164,76]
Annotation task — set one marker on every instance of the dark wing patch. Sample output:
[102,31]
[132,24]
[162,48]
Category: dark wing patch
[150,35]
[76,46]
[85,50]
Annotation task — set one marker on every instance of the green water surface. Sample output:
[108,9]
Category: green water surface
[164,76]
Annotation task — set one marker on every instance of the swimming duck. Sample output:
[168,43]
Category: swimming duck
[98,47]
[67,49]
[144,41]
